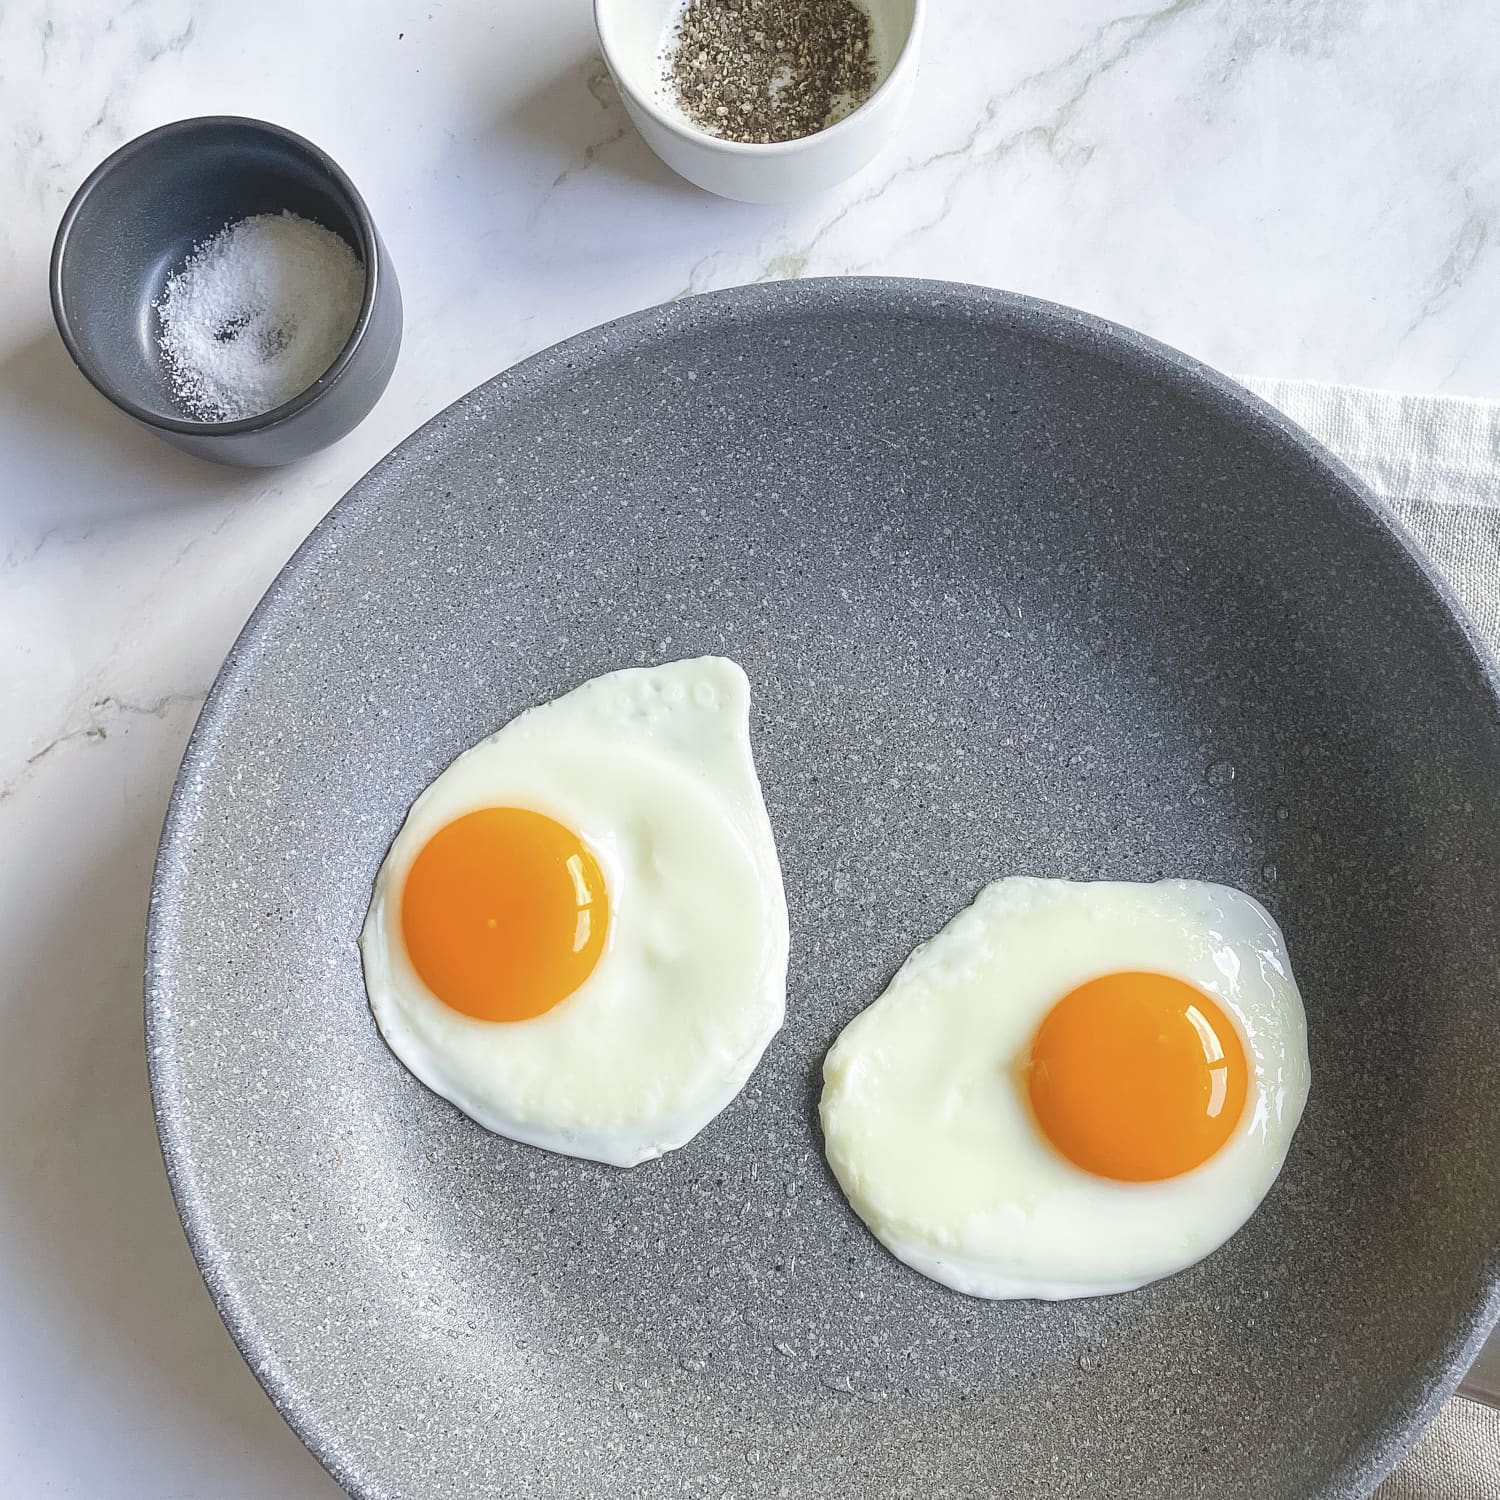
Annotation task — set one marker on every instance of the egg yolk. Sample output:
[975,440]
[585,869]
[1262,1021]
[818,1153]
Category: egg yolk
[504,913]
[1138,1077]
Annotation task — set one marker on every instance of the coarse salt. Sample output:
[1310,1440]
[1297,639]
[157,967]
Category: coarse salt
[256,314]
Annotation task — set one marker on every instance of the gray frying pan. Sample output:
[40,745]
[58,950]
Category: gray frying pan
[924,518]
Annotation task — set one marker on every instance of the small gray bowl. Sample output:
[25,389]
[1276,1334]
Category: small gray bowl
[140,213]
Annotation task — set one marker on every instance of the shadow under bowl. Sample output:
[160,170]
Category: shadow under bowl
[140,214]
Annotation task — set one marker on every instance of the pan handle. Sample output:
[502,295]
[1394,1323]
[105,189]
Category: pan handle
[1482,1383]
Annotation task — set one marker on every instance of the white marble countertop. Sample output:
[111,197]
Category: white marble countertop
[1295,187]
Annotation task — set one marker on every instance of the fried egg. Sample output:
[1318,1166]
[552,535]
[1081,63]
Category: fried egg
[579,935]
[1073,1089]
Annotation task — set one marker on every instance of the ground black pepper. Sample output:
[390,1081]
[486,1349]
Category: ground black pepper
[770,70]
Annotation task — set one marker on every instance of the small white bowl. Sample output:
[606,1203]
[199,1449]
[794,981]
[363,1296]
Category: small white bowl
[634,34]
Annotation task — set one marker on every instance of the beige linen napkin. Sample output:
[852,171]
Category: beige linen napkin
[1434,462]
[1457,1458]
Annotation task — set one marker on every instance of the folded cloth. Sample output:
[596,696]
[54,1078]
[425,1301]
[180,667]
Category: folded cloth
[1434,463]
[1457,1458]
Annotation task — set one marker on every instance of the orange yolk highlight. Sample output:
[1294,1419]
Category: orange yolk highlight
[1137,1077]
[504,913]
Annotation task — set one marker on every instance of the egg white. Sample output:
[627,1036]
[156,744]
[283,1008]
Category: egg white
[925,1109]
[652,768]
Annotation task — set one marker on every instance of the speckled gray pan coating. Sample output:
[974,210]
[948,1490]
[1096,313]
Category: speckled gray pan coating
[1015,591]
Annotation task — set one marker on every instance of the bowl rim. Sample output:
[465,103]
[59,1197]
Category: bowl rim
[368,247]
[905,62]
